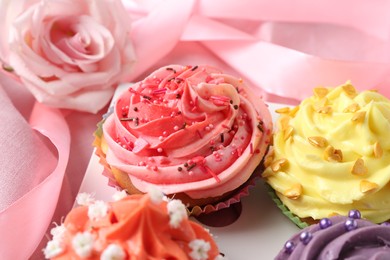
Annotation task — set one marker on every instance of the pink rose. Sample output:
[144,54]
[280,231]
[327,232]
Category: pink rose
[68,53]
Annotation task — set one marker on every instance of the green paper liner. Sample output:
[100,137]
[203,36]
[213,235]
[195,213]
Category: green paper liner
[295,219]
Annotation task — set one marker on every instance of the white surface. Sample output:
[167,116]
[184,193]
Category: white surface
[259,233]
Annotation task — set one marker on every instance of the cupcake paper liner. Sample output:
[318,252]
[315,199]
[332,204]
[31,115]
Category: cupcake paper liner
[295,219]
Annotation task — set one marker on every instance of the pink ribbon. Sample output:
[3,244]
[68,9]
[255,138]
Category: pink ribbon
[24,223]
[282,48]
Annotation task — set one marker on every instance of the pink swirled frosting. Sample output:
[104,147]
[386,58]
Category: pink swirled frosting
[188,129]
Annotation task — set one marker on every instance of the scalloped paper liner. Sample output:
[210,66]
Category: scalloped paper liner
[295,219]
[236,197]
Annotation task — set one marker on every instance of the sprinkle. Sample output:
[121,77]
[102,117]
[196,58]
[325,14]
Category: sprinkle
[191,166]
[355,214]
[305,237]
[160,150]
[113,252]
[119,195]
[156,196]
[251,148]
[171,69]
[135,109]
[260,126]
[199,134]
[136,121]
[178,96]
[146,97]
[325,223]
[52,249]
[177,213]
[184,125]
[200,249]
[289,247]
[235,107]
[97,210]
[127,119]
[194,68]
[7,68]
[175,128]
[350,224]
[222,138]
[179,169]
[83,244]
[84,199]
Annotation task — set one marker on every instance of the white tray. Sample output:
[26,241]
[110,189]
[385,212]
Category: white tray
[259,233]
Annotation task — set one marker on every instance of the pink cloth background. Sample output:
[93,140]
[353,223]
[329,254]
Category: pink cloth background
[282,49]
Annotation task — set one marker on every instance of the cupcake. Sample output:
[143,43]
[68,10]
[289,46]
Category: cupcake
[132,227]
[194,133]
[339,237]
[331,153]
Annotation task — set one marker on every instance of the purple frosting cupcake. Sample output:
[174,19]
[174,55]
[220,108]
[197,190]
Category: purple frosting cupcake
[340,237]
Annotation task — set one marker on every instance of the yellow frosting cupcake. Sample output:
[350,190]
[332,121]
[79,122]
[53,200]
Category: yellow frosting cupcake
[332,153]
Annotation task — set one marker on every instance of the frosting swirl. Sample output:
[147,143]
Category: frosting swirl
[188,129]
[339,237]
[331,154]
[134,227]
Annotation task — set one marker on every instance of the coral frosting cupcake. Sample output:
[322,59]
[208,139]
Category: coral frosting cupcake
[331,153]
[339,237]
[192,132]
[133,227]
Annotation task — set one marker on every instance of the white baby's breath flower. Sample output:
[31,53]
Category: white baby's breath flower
[97,210]
[113,252]
[52,249]
[83,244]
[156,196]
[119,195]
[200,249]
[177,212]
[84,199]
[58,232]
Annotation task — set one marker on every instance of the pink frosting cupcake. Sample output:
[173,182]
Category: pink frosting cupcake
[192,132]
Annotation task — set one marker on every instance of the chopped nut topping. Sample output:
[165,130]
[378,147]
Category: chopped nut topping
[367,186]
[320,92]
[268,161]
[352,108]
[317,141]
[284,121]
[333,155]
[378,151]
[349,90]
[358,117]
[294,192]
[359,168]
[278,164]
[324,110]
[293,111]
[282,110]
[288,132]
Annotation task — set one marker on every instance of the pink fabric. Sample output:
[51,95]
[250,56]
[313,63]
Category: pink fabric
[282,49]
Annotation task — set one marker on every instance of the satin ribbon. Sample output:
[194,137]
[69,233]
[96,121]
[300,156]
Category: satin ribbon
[24,223]
[283,48]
